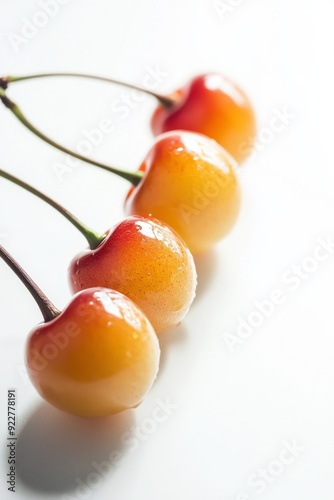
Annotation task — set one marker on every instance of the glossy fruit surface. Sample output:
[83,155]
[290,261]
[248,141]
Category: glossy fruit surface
[214,106]
[146,261]
[189,183]
[98,357]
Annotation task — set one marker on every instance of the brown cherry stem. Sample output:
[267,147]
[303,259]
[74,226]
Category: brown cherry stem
[48,310]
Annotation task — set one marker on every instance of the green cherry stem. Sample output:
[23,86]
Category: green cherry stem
[164,100]
[48,310]
[133,177]
[93,238]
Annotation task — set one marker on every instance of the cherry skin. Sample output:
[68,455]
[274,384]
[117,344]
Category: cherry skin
[189,183]
[214,106]
[146,261]
[98,357]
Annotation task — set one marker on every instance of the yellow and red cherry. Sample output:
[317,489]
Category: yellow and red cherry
[100,356]
[189,182]
[140,257]
[145,260]
[212,105]
[97,357]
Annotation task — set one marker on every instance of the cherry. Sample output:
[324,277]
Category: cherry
[212,105]
[145,260]
[97,357]
[141,258]
[189,183]
[186,180]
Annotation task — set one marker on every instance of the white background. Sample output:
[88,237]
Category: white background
[235,409]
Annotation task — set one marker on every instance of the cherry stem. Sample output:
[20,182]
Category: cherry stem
[133,177]
[48,310]
[165,101]
[93,238]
